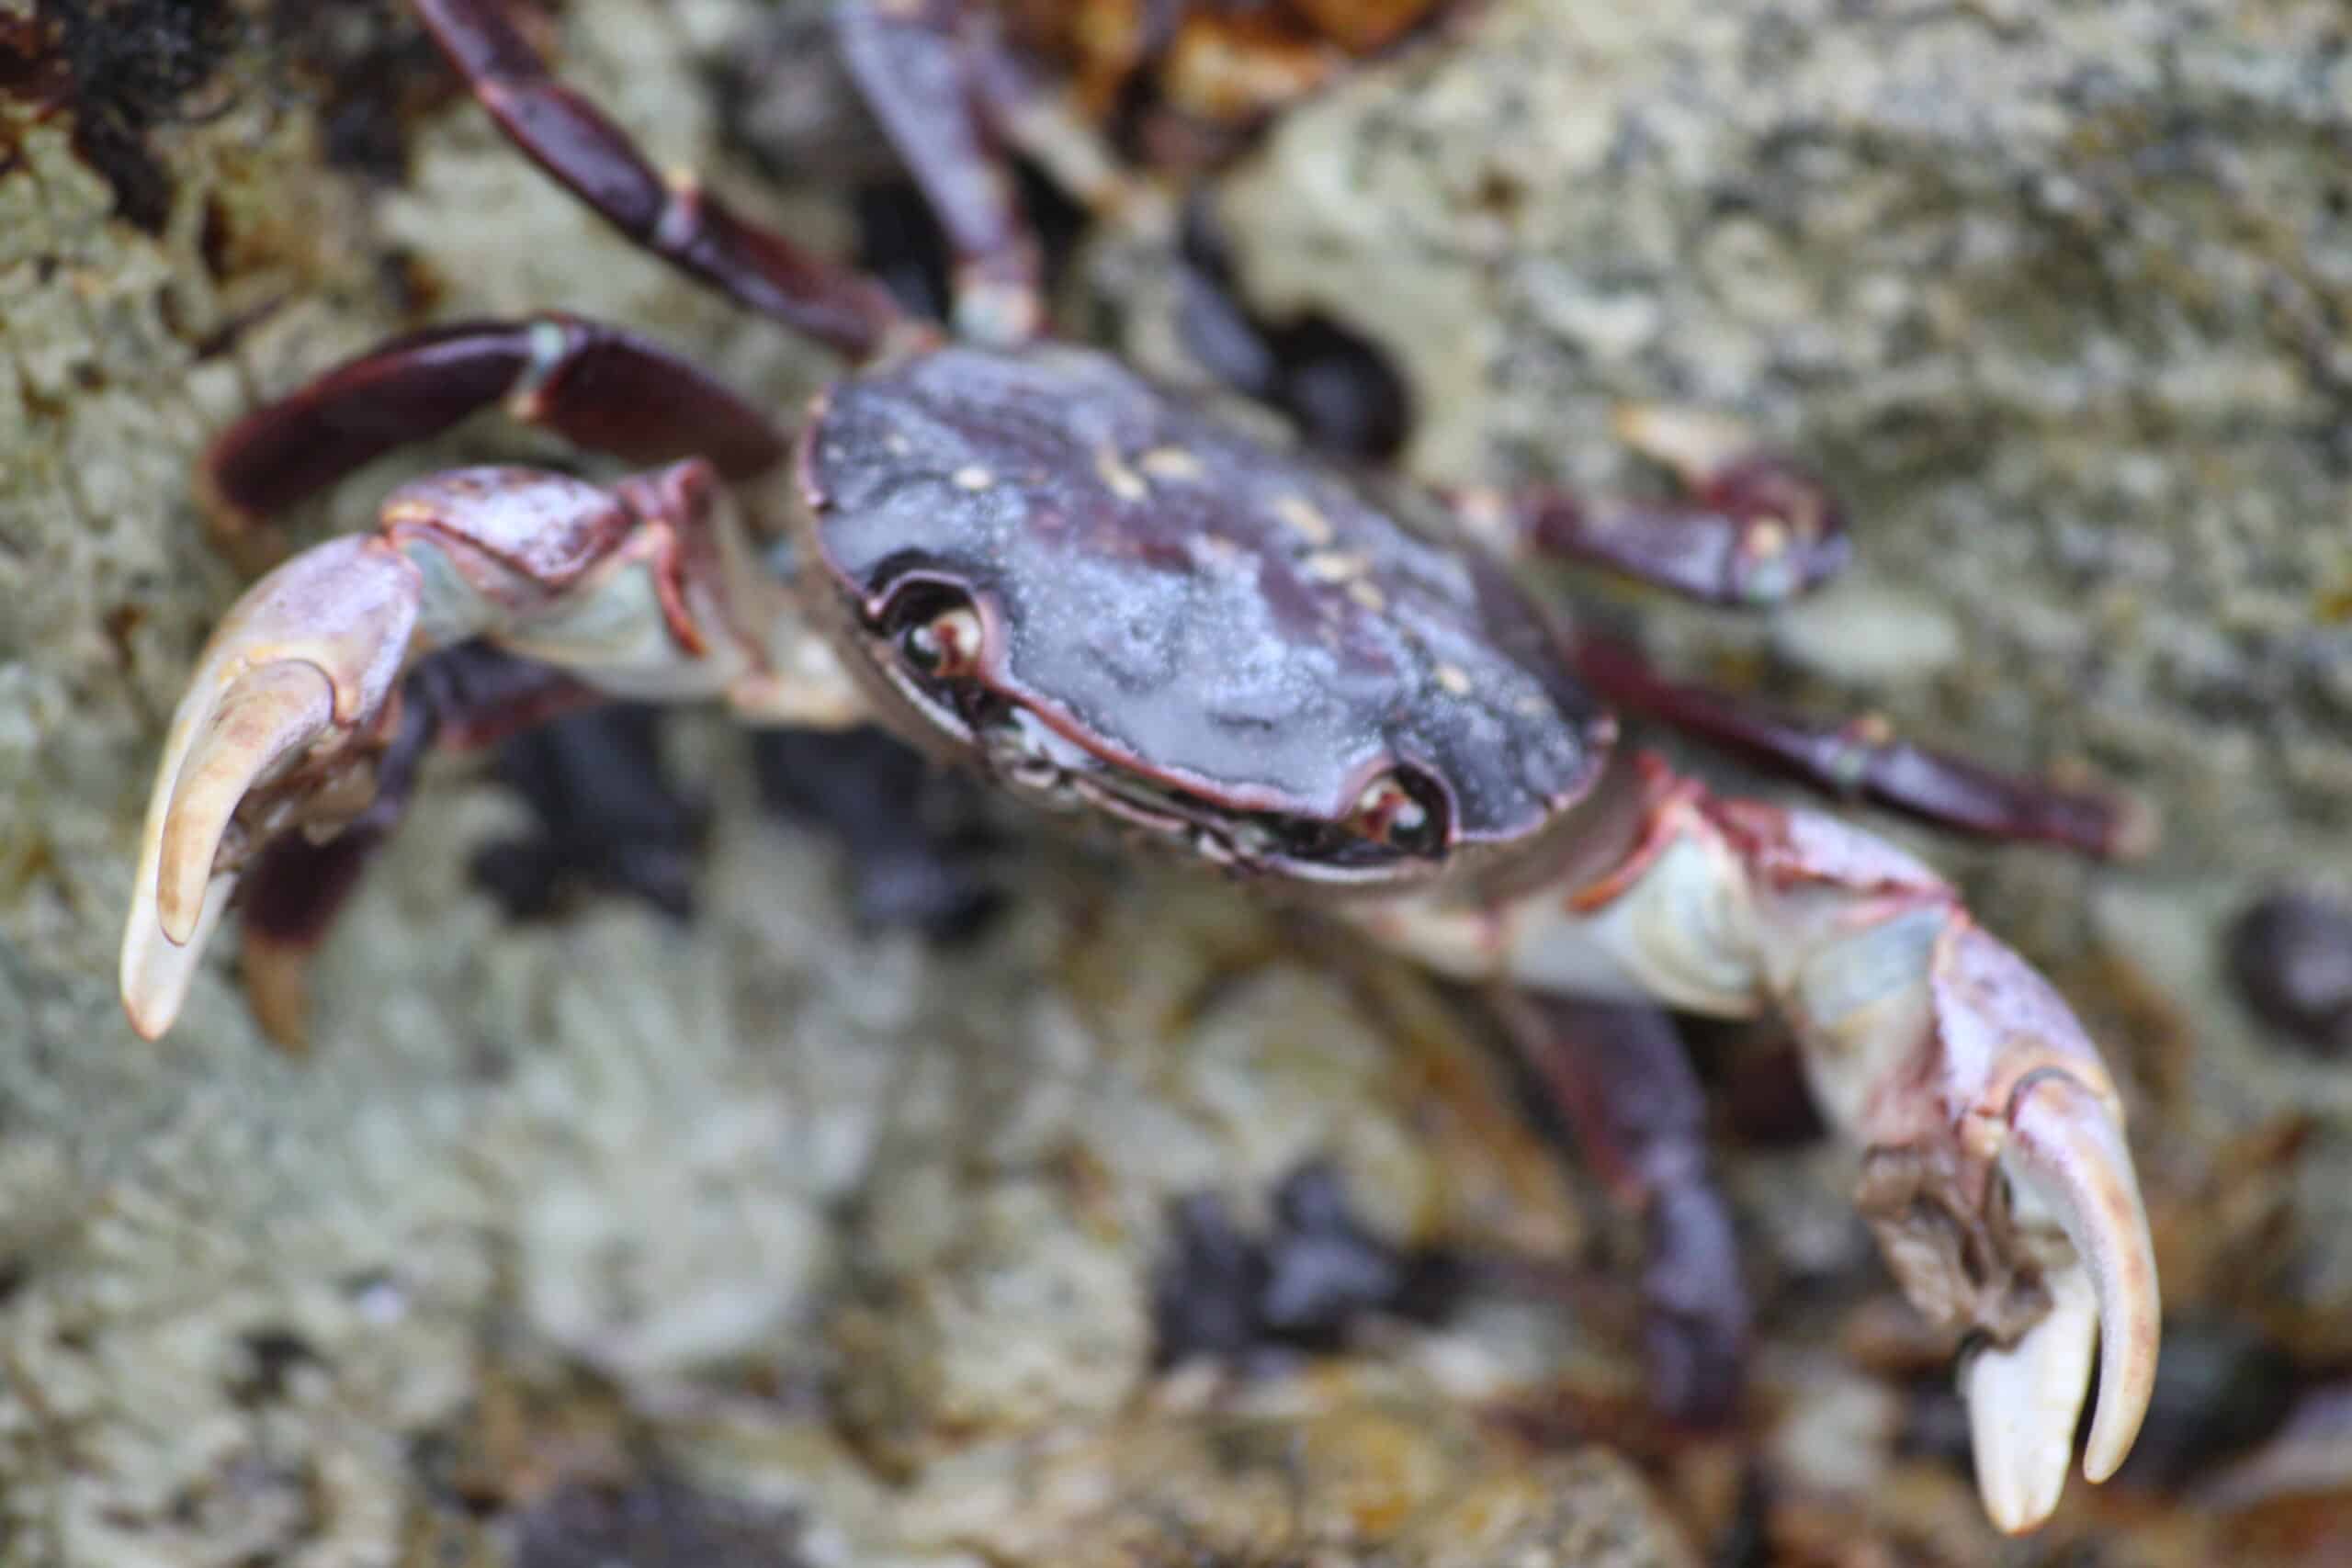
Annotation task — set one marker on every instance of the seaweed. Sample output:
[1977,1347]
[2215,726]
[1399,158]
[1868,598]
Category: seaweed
[121,68]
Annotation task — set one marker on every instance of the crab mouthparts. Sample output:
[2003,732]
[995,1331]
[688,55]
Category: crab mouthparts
[1045,767]
[1037,762]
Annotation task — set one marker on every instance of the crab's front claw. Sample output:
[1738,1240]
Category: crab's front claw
[1995,1174]
[2067,1166]
[2008,1204]
[297,673]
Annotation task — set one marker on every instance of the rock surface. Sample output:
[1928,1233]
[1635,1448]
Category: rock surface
[770,1242]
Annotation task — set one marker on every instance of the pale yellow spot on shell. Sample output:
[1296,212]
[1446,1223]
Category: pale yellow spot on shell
[1365,594]
[1454,679]
[974,478]
[1334,566]
[1302,516]
[1124,481]
[1172,463]
[1486,518]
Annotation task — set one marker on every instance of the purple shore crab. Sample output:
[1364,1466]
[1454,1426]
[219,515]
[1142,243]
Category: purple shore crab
[1024,557]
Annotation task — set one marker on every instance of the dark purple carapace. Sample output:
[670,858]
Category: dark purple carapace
[1233,624]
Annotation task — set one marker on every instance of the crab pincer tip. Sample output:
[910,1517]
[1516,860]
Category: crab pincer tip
[263,717]
[2067,1161]
[156,971]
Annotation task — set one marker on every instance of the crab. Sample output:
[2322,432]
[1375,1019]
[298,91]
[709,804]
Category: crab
[1026,559]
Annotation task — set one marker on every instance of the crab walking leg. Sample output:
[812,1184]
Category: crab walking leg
[648,589]
[1995,1174]
[1751,527]
[1619,1075]
[953,96]
[598,386]
[1866,760]
[673,217]
[917,63]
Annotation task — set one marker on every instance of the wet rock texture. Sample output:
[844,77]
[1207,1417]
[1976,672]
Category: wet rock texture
[762,1240]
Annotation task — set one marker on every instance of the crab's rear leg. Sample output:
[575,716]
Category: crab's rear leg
[1996,1172]
[1751,527]
[1618,1073]
[924,67]
[672,216]
[647,589]
[1865,760]
[597,386]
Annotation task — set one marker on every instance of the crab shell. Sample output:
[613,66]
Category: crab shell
[1165,601]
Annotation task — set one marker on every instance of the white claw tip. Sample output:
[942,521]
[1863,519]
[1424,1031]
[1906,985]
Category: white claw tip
[2067,1158]
[2022,1403]
[2066,1162]
[156,970]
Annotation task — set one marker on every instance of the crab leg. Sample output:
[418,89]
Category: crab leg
[1865,760]
[1619,1075]
[607,389]
[673,217]
[918,64]
[1995,1174]
[1753,528]
[648,589]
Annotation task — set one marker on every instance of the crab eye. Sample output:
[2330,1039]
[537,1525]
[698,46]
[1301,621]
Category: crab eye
[1405,810]
[937,632]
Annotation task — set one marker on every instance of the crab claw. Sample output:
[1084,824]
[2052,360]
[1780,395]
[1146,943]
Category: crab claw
[2003,1194]
[1994,1172]
[1996,1176]
[300,666]
[2067,1165]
